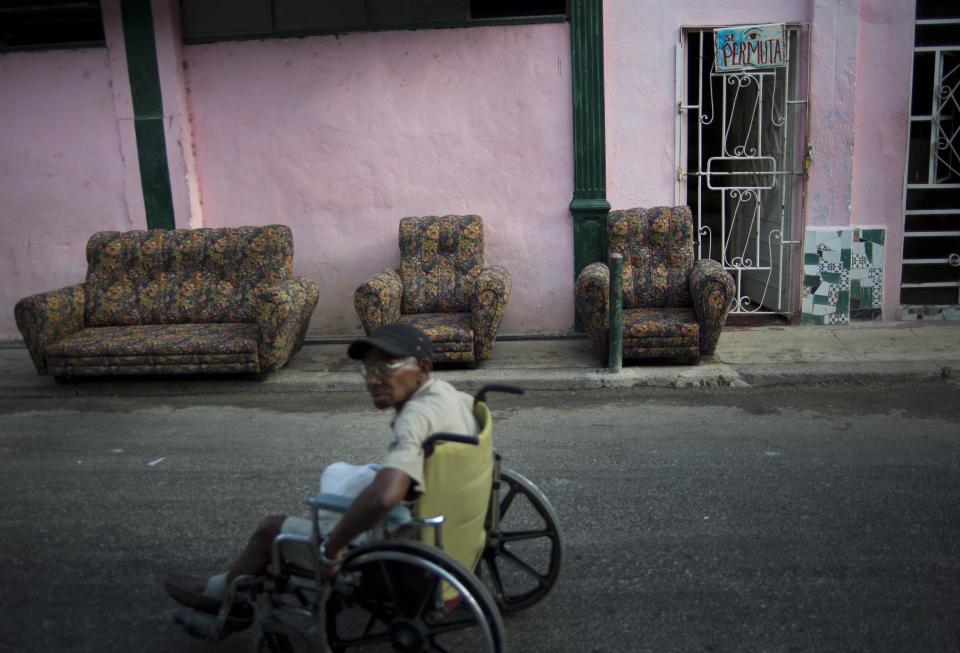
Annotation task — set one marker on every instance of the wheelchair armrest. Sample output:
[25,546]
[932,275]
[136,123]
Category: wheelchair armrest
[398,516]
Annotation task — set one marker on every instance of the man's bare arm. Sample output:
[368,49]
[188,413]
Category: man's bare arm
[388,489]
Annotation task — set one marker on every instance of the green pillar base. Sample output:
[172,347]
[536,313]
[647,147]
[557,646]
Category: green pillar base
[589,232]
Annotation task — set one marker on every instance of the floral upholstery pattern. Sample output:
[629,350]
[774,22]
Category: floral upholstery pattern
[377,300]
[714,294]
[441,286]
[657,248]
[48,317]
[592,297]
[283,318]
[658,329]
[181,275]
[491,293]
[450,334]
[174,301]
[440,258]
[673,304]
[115,349]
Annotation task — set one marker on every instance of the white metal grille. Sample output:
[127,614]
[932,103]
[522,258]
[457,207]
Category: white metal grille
[931,243]
[737,145]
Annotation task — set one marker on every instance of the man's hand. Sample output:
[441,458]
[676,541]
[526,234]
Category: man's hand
[331,560]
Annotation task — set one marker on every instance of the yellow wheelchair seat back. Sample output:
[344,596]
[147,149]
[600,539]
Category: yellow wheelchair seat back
[458,479]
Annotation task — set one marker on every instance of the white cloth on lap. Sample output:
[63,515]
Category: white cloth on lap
[339,478]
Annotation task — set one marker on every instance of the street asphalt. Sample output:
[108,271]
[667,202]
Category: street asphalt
[798,518]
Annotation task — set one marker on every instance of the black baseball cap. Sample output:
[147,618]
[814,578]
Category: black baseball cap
[397,339]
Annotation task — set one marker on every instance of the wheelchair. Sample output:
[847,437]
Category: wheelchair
[482,541]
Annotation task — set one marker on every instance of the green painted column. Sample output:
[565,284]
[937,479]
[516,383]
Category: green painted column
[147,112]
[589,206]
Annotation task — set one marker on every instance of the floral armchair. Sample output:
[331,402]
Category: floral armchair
[673,305]
[441,287]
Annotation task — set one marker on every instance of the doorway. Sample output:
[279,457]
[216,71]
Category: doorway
[740,168]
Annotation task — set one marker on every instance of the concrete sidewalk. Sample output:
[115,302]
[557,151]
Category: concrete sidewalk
[747,356]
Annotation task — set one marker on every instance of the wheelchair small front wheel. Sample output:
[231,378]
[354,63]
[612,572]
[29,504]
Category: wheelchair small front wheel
[411,598]
[524,553]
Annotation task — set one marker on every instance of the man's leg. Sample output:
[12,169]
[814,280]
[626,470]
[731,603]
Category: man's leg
[208,593]
[255,557]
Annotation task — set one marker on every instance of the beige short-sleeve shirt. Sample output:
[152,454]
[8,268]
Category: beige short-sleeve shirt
[436,407]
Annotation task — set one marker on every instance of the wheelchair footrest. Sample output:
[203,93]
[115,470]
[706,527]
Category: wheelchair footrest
[198,624]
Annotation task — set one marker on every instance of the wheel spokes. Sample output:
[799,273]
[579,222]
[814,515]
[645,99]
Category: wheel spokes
[517,562]
[518,536]
[436,647]
[491,563]
[507,500]
[528,538]
[389,583]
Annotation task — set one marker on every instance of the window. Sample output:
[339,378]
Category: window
[50,24]
[205,20]
[516,8]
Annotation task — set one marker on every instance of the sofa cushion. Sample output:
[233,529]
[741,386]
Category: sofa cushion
[183,275]
[439,259]
[660,332]
[657,248]
[233,341]
[447,332]
[662,323]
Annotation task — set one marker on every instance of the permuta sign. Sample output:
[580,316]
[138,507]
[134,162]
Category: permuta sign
[749,46]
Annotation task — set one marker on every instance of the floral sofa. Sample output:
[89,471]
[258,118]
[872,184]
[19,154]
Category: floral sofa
[674,305]
[174,302]
[442,287]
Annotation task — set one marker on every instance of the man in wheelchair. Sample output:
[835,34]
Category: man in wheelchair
[396,365]
[457,522]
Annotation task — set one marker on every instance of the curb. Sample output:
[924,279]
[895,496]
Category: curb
[706,375]
[839,373]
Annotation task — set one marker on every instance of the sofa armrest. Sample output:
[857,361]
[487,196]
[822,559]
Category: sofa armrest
[49,317]
[283,316]
[714,294]
[592,299]
[377,300]
[491,292]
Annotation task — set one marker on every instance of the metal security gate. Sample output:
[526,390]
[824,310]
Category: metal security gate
[739,167]
[931,234]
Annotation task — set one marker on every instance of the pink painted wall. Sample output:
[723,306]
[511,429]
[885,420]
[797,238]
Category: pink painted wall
[340,137]
[62,175]
[882,113]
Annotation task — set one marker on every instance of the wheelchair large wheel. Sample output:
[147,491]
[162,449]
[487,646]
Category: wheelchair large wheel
[389,597]
[524,553]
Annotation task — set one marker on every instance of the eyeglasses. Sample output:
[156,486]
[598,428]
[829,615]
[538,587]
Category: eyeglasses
[385,369]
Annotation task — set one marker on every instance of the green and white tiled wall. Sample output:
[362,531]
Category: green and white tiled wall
[842,275]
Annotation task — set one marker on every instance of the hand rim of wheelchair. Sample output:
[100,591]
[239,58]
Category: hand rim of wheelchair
[519,485]
[475,596]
